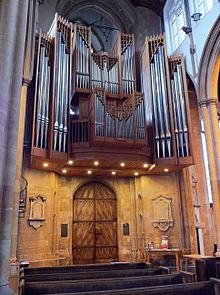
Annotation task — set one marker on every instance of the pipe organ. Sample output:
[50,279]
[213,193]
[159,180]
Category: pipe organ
[167,97]
[87,100]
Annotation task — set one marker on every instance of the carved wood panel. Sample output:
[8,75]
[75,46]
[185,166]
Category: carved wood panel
[94,224]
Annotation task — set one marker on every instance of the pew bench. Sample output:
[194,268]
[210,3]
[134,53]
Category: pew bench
[53,276]
[96,285]
[211,287]
[87,267]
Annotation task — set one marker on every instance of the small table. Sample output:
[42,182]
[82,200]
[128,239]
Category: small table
[193,257]
[174,252]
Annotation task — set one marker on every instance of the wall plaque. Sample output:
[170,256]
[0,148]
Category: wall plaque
[37,211]
[64,230]
[162,213]
[126,229]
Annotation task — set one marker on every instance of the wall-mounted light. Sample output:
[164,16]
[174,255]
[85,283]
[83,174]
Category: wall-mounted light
[196,16]
[187,30]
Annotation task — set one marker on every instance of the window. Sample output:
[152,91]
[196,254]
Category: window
[206,163]
[177,21]
[203,6]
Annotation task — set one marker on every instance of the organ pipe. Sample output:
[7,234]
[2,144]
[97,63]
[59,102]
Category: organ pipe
[43,91]
[125,121]
[180,114]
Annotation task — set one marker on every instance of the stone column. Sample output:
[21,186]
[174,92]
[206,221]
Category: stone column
[212,169]
[27,77]
[213,118]
[12,27]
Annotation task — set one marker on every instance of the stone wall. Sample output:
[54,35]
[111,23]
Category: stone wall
[134,206]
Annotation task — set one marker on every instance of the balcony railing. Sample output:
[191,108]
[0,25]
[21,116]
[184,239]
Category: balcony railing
[79,132]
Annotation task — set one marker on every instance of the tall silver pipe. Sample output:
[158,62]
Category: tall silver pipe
[164,98]
[47,109]
[43,98]
[176,124]
[159,101]
[57,97]
[182,106]
[155,107]
[40,91]
[65,129]
[179,114]
[61,98]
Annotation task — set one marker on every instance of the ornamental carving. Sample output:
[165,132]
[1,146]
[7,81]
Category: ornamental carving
[162,207]
[37,211]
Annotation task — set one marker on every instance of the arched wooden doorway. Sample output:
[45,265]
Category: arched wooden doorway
[94,224]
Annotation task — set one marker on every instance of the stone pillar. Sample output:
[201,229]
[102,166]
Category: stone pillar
[213,118]
[27,77]
[212,169]
[13,16]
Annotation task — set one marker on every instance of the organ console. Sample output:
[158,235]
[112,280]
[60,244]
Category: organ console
[86,102]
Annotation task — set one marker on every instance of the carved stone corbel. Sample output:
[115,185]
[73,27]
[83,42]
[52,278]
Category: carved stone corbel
[162,213]
[37,211]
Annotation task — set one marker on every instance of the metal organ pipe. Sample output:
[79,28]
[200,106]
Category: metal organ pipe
[183,109]
[181,128]
[65,129]
[58,78]
[155,107]
[82,61]
[159,104]
[61,98]
[43,99]
[127,69]
[164,98]
[99,116]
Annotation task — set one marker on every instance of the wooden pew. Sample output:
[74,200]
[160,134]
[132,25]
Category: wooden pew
[87,267]
[206,268]
[53,276]
[211,287]
[93,285]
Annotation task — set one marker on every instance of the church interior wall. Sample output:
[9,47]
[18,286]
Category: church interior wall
[134,206]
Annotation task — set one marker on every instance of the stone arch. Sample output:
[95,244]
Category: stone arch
[120,13]
[210,65]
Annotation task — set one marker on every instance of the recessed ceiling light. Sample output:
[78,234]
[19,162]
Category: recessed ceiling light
[166,170]
[89,172]
[64,171]
[45,164]
[70,162]
[113,172]
[96,163]
[152,167]
[146,165]
[122,164]
[136,174]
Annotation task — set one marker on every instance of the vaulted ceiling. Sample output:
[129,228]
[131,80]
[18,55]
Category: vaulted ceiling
[155,5]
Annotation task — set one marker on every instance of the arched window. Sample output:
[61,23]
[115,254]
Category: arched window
[176,19]
[206,163]
[203,6]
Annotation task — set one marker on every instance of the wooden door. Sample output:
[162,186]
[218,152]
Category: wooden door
[94,224]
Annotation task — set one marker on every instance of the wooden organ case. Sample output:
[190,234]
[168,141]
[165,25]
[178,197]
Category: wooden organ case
[86,106]
[167,105]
